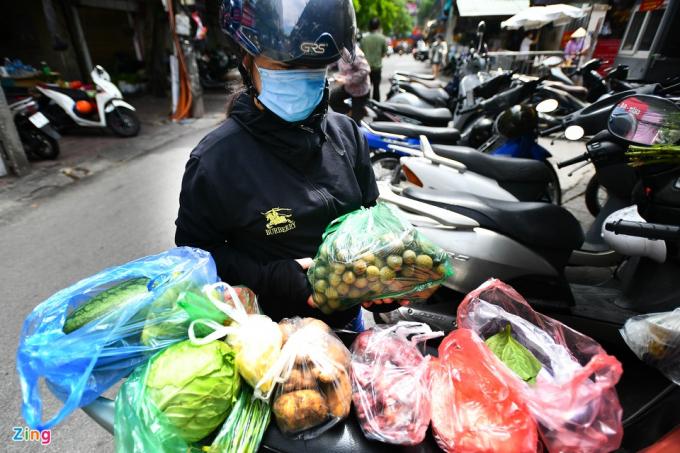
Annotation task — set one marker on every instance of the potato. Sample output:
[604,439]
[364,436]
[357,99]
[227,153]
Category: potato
[287,326]
[316,323]
[361,283]
[338,268]
[299,380]
[342,289]
[338,353]
[394,262]
[334,280]
[338,395]
[300,410]
[387,274]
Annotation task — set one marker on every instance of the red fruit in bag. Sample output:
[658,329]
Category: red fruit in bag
[473,410]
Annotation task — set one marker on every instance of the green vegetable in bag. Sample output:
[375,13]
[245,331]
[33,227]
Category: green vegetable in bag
[245,426]
[179,397]
[372,254]
[511,352]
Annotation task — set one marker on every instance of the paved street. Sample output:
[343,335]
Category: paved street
[112,216]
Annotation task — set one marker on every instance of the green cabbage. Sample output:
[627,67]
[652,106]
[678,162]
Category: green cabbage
[194,386]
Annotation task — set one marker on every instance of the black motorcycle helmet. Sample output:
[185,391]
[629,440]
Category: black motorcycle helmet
[313,33]
[517,121]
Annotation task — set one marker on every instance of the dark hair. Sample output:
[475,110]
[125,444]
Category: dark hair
[374,24]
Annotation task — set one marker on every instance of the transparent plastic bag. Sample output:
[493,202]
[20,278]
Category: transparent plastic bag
[389,382]
[655,339]
[256,339]
[574,398]
[141,317]
[176,399]
[473,407]
[373,254]
[313,390]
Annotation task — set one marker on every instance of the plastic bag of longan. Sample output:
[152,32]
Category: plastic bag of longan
[373,254]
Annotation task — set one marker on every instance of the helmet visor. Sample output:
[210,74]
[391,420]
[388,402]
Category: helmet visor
[306,32]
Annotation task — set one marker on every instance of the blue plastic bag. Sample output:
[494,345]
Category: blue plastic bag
[81,365]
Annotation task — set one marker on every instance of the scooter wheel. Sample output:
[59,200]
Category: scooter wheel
[123,122]
[554,186]
[595,196]
[42,146]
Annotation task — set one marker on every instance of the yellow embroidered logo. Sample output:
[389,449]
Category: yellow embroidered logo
[279,220]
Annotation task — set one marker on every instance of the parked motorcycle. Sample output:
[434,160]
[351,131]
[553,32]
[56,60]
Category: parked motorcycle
[40,139]
[533,246]
[69,107]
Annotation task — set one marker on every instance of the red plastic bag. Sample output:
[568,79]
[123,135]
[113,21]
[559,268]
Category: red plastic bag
[473,409]
[574,398]
[389,382]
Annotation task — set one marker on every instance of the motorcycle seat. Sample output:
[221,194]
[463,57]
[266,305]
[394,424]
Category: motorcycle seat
[442,135]
[430,117]
[414,75]
[435,96]
[75,94]
[500,168]
[575,90]
[536,224]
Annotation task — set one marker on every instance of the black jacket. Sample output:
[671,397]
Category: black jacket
[258,193]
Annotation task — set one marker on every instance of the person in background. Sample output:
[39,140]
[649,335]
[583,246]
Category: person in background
[578,45]
[353,81]
[528,41]
[374,46]
[438,52]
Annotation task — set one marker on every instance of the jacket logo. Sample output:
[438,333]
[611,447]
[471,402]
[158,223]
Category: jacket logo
[279,220]
[310,48]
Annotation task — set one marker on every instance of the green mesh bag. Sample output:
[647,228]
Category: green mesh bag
[372,254]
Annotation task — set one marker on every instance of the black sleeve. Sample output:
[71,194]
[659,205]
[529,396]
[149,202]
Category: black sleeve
[199,208]
[364,171]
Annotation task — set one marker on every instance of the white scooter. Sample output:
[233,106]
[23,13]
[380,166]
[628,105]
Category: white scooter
[68,107]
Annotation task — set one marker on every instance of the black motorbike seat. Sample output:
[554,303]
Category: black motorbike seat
[441,135]
[500,168]
[536,224]
[431,117]
[77,95]
[434,96]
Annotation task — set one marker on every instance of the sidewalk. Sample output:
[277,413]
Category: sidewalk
[85,152]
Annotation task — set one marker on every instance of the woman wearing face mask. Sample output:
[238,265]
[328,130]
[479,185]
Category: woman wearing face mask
[259,191]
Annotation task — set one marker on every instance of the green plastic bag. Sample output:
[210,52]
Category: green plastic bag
[179,397]
[245,426]
[373,254]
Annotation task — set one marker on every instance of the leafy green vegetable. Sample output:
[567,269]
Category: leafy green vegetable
[245,426]
[511,352]
[194,386]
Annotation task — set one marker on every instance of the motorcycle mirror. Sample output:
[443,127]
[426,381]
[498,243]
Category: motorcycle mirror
[574,133]
[645,120]
[547,106]
[481,28]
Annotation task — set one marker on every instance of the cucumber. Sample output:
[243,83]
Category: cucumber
[106,302]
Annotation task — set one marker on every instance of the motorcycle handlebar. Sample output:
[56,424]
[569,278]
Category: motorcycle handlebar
[550,130]
[573,161]
[644,230]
